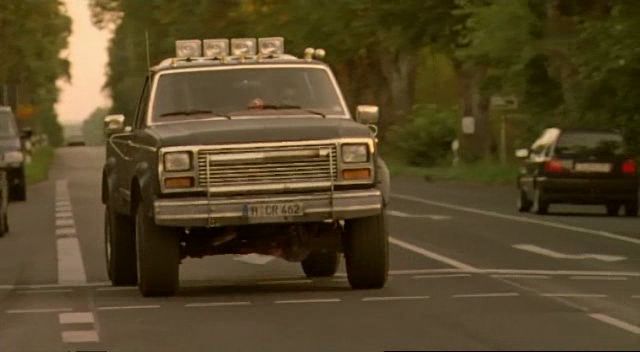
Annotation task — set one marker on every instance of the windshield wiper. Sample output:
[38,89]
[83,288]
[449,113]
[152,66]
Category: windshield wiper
[194,112]
[293,107]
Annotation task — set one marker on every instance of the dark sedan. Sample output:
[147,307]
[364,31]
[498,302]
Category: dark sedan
[578,167]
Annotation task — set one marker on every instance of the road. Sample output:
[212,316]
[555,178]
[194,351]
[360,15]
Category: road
[467,272]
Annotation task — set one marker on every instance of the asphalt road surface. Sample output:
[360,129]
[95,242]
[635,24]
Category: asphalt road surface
[467,272]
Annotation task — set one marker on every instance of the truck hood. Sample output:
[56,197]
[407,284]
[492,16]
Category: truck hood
[263,129]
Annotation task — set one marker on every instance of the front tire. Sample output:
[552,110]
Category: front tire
[523,204]
[321,263]
[366,249]
[540,205]
[631,208]
[120,248]
[158,250]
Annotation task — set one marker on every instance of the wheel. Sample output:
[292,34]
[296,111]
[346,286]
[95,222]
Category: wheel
[366,249]
[540,205]
[321,263]
[120,248]
[631,208]
[613,209]
[4,224]
[158,250]
[523,204]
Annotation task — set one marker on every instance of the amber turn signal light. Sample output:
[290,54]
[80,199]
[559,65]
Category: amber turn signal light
[178,182]
[356,174]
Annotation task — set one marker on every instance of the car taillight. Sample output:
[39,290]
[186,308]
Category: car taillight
[554,166]
[629,167]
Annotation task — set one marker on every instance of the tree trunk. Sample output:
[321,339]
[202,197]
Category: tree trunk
[399,71]
[473,103]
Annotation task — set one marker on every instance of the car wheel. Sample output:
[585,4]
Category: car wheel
[613,209]
[158,251]
[523,204]
[366,249]
[540,205]
[4,224]
[631,208]
[120,248]
[321,263]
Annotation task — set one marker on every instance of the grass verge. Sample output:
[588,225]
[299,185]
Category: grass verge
[38,169]
[484,172]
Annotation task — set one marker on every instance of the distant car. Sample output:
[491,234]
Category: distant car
[73,136]
[12,156]
[578,167]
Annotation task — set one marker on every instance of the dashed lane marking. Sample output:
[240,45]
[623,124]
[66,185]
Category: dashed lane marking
[487,295]
[395,298]
[516,276]
[616,322]
[76,318]
[70,266]
[66,231]
[400,214]
[65,222]
[64,214]
[574,295]
[319,300]
[285,282]
[442,276]
[117,288]
[61,290]
[35,310]
[557,255]
[151,306]
[599,278]
[80,336]
[520,219]
[438,257]
[217,304]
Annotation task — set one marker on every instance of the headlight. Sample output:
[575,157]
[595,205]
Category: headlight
[177,161]
[14,156]
[355,153]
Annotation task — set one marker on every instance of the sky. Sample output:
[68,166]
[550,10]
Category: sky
[88,55]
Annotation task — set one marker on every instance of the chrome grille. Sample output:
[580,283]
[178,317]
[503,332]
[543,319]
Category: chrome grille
[268,167]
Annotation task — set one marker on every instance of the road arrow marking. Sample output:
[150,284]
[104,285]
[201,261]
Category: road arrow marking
[557,255]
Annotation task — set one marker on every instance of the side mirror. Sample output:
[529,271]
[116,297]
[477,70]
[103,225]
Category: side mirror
[113,124]
[522,153]
[26,133]
[367,114]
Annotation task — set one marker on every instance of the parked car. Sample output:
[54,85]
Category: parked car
[12,155]
[4,203]
[576,166]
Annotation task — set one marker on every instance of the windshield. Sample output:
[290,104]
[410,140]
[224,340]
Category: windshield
[590,144]
[7,125]
[246,91]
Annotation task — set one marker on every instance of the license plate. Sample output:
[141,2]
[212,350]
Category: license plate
[592,167]
[273,210]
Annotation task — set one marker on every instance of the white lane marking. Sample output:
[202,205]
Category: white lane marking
[62,290]
[319,300]
[442,276]
[394,298]
[76,318]
[481,295]
[336,279]
[400,214]
[635,296]
[254,258]
[452,262]
[66,231]
[217,304]
[45,286]
[285,282]
[80,336]
[516,276]
[520,219]
[150,306]
[601,278]
[616,322]
[65,222]
[557,255]
[560,272]
[117,288]
[63,208]
[70,265]
[36,310]
[64,214]
[574,295]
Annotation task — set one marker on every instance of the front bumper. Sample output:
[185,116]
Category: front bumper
[229,211]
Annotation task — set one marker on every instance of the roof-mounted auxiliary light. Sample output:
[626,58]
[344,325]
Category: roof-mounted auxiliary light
[311,53]
[188,48]
[216,48]
[271,46]
[243,47]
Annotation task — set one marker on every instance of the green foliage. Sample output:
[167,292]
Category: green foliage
[38,169]
[93,127]
[426,137]
[32,35]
